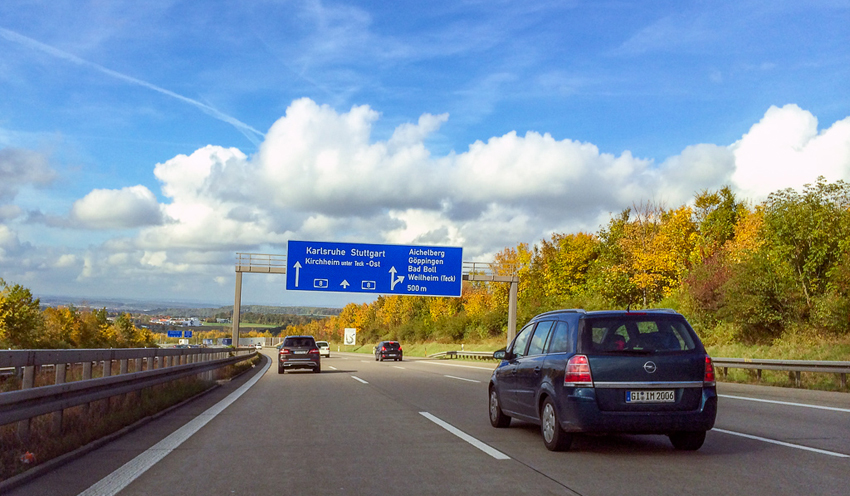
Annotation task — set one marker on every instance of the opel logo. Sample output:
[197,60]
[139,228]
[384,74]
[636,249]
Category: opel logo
[650,367]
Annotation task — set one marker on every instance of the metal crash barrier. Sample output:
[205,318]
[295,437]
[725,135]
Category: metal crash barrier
[150,366]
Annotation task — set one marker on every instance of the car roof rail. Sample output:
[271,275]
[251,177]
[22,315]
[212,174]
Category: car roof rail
[565,310]
[664,310]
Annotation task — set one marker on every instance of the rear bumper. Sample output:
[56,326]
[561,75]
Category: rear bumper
[579,413]
[299,364]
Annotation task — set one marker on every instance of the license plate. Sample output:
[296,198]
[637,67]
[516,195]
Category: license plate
[300,352]
[650,396]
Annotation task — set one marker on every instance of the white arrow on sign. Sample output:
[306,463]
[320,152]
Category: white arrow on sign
[344,284]
[393,279]
[297,272]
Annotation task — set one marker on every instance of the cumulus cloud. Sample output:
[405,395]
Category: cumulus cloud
[126,208]
[786,150]
[18,168]
[321,175]
[10,245]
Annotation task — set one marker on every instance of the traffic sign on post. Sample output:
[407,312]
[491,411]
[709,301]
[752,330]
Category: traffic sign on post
[369,268]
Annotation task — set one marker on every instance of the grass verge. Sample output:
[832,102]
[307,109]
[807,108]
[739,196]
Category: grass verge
[87,423]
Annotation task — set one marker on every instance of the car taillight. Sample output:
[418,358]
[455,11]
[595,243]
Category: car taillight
[578,372]
[285,351]
[383,348]
[399,347]
[314,350]
[709,378]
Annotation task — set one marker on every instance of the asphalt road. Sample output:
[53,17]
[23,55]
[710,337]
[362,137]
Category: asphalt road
[363,428]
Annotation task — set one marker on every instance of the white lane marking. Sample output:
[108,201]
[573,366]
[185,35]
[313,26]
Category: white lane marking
[365,361]
[332,367]
[457,365]
[498,455]
[782,443]
[830,408]
[402,368]
[116,481]
[461,379]
[359,379]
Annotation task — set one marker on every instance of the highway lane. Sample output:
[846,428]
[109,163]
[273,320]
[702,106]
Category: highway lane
[358,428]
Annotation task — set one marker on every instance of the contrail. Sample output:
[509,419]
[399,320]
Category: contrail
[249,132]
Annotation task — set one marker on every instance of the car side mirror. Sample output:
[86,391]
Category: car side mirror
[500,354]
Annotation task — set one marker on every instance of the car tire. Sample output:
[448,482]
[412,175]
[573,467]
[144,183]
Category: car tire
[687,441]
[317,369]
[554,437]
[497,416]
[280,369]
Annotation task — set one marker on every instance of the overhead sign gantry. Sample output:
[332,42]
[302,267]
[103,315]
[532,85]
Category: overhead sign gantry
[371,268]
[379,269]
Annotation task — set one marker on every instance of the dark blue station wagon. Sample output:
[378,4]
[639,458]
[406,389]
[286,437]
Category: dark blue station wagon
[639,372]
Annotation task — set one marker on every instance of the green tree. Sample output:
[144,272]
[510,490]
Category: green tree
[21,321]
[811,231]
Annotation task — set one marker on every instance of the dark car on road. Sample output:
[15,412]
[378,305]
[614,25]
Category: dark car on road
[388,350]
[299,352]
[639,372]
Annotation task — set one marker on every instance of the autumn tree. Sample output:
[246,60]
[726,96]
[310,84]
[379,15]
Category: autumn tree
[21,321]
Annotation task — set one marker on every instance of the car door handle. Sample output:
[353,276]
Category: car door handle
[536,370]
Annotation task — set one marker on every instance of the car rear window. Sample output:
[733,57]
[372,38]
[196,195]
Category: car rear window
[634,333]
[321,343]
[391,345]
[299,342]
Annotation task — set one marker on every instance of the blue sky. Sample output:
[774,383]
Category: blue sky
[143,144]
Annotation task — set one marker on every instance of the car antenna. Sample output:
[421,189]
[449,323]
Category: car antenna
[628,306]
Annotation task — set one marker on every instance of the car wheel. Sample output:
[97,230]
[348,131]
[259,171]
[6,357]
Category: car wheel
[497,416]
[687,441]
[317,369]
[280,369]
[376,358]
[554,437]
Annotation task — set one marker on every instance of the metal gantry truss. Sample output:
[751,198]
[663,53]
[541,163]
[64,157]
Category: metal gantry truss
[264,263]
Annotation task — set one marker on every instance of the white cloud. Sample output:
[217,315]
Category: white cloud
[786,150]
[19,168]
[10,244]
[320,175]
[10,212]
[127,208]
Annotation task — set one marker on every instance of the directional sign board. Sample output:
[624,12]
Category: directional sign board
[175,334]
[350,336]
[367,268]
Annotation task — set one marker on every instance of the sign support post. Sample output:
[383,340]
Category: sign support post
[237,309]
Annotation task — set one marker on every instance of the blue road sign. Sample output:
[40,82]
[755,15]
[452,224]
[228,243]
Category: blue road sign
[367,268]
[175,334]
[187,334]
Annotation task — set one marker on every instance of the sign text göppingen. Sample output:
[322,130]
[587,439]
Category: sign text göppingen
[368,268]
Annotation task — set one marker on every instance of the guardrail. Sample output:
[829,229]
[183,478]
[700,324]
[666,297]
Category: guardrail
[150,366]
[795,366]
[475,355]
